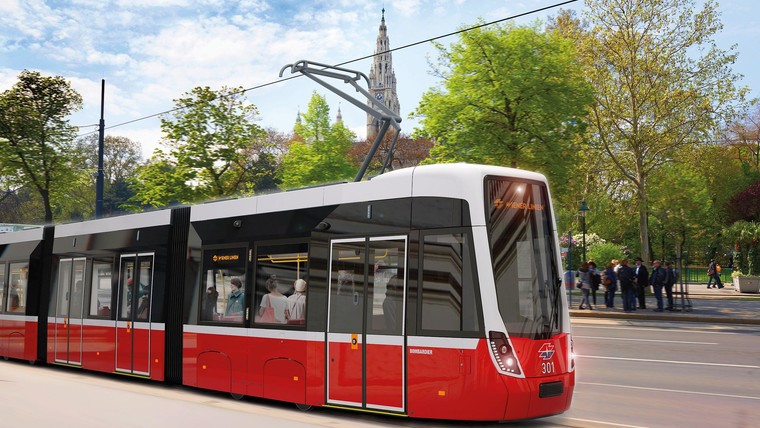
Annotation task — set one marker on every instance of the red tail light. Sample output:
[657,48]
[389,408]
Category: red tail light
[503,354]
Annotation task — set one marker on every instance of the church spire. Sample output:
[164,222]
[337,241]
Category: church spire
[382,78]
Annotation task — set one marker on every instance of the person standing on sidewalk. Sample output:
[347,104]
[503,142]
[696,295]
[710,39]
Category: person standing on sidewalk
[713,272]
[584,279]
[642,281]
[627,280]
[658,280]
[596,280]
[610,284]
[672,278]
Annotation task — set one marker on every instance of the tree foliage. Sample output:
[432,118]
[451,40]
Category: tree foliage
[661,84]
[406,153]
[209,143]
[511,95]
[319,151]
[36,139]
[122,158]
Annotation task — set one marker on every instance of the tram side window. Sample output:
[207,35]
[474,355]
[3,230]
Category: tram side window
[280,284]
[448,294]
[18,281]
[224,286]
[100,296]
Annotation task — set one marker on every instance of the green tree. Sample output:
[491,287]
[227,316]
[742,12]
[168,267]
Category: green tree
[661,85]
[208,141]
[121,159]
[511,95]
[319,152]
[35,138]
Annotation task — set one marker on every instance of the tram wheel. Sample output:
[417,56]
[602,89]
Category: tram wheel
[303,407]
[32,362]
[236,396]
[5,357]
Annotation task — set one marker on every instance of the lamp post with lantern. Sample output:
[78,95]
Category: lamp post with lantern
[582,211]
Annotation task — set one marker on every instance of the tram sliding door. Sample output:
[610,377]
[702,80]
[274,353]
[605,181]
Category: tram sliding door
[133,316]
[365,341]
[68,311]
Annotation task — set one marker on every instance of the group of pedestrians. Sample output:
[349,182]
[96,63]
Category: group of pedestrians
[632,282]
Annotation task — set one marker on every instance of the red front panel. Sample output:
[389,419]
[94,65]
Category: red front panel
[385,376]
[457,383]
[345,372]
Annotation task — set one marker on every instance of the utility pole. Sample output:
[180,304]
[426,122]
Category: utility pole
[101,146]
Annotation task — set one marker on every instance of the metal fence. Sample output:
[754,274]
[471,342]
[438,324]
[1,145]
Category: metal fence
[698,274]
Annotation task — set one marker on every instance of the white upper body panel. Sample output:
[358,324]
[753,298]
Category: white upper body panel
[458,181]
[21,236]
[110,224]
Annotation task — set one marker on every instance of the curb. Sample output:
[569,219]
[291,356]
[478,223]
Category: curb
[671,316]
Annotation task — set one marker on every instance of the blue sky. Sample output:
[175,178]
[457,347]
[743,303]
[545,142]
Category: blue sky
[150,52]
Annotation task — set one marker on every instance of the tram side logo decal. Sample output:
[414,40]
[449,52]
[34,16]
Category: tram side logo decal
[546,352]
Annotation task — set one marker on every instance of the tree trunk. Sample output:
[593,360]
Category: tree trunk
[643,223]
[46,202]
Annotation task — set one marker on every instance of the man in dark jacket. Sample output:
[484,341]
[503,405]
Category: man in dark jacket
[642,281]
[672,279]
[658,280]
[627,286]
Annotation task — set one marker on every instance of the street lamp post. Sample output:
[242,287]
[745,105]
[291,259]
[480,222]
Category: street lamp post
[582,211]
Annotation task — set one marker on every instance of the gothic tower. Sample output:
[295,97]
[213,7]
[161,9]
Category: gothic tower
[382,79]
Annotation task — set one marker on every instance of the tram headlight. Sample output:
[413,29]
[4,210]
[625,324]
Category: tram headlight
[503,353]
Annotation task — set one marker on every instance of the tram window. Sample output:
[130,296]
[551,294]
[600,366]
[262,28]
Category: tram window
[224,285]
[386,286]
[19,278]
[448,295]
[137,275]
[277,300]
[2,287]
[100,283]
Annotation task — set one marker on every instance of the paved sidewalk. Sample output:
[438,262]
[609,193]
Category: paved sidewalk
[724,305]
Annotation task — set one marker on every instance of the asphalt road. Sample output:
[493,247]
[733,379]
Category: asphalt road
[631,373]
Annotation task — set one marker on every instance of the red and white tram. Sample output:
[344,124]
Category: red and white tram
[430,292]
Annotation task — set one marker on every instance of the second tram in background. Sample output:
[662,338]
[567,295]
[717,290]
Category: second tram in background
[430,292]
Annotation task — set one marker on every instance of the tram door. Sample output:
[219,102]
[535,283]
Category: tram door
[68,311]
[365,341]
[133,316]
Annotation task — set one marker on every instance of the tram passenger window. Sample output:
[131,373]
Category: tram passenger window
[19,278]
[448,295]
[386,286]
[280,296]
[100,283]
[136,273]
[223,280]
[2,287]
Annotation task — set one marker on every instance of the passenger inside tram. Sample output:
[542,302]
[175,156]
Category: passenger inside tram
[295,313]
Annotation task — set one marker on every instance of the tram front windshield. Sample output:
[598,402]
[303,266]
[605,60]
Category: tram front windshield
[523,256]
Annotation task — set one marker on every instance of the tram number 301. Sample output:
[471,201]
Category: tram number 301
[547,368]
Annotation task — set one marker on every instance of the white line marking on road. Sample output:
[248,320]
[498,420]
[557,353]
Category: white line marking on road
[645,340]
[712,394]
[661,330]
[647,360]
[605,423]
